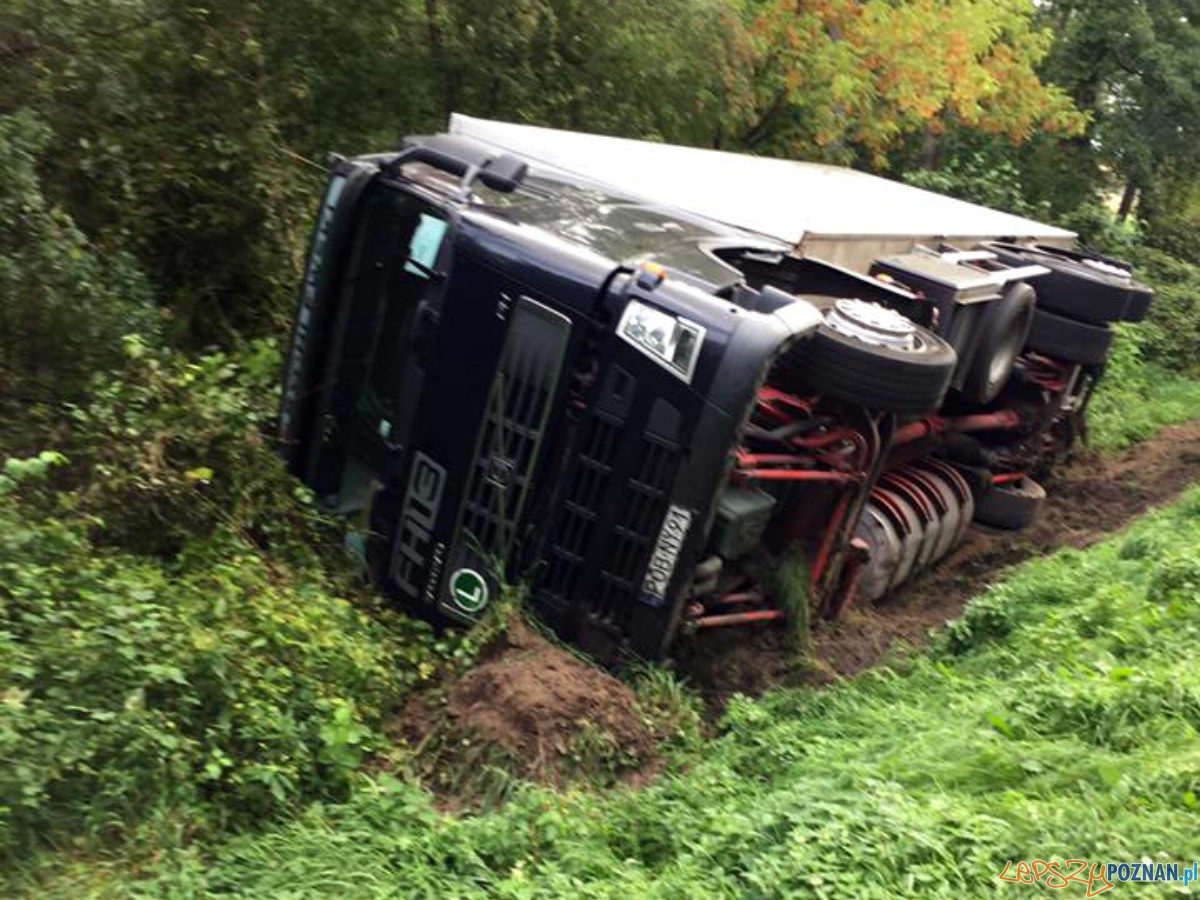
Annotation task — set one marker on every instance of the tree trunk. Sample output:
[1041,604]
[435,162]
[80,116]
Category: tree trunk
[438,53]
[931,150]
[1127,200]
[762,127]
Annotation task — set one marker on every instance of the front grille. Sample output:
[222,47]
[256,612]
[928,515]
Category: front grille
[517,409]
[590,478]
[618,491]
[631,542]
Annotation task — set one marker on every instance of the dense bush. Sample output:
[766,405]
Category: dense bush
[65,306]
[220,683]
[1172,333]
[166,145]
[177,628]
[1171,206]
[978,179]
[170,447]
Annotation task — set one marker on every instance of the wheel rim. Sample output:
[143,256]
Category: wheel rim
[874,324]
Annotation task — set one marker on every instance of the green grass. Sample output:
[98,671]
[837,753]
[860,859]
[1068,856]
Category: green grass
[1057,719]
[1138,397]
[1122,415]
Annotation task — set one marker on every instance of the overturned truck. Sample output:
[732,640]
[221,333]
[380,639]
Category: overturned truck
[636,378]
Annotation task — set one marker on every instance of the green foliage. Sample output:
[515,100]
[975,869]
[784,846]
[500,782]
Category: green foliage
[1066,726]
[978,179]
[1097,227]
[1176,235]
[792,589]
[1138,396]
[848,81]
[595,67]
[65,305]
[1151,376]
[177,631]
[177,446]
[669,708]
[17,471]
[221,684]
[1172,333]
[1133,67]
[166,144]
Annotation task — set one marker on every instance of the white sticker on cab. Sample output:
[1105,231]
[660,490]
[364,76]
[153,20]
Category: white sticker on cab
[666,553]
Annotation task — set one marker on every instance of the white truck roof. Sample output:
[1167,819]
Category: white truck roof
[831,212]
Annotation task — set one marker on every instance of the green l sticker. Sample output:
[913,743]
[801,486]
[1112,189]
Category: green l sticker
[469,590]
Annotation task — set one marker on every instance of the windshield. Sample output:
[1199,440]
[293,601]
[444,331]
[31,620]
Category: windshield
[386,316]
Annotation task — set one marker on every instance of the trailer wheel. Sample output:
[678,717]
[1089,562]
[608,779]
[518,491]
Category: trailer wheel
[1010,506]
[1139,303]
[1068,340]
[871,355]
[1078,285]
[1005,328]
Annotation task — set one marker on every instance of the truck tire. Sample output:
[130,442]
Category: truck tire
[1139,303]
[1010,506]
[1068,340]
[889,378]
[1005,328]
[1075,286]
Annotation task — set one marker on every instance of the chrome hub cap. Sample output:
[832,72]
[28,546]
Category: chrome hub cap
[872,324]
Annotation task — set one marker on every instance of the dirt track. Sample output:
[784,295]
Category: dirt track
[1089,499]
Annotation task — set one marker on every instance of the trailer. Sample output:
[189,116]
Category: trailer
[833,213]
[638,379]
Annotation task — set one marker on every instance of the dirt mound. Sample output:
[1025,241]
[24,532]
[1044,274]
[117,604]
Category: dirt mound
[535,710]
[534,699]
[1088,500]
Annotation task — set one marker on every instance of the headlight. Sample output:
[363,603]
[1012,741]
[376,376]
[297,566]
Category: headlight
[667,339]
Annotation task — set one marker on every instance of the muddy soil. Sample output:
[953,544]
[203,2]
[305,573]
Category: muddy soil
[1088,499]
[534,709]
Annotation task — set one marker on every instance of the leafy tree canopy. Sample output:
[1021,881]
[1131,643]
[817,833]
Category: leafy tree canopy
[847,81]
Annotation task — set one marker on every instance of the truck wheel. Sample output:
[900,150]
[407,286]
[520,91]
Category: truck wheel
[1010,506]
[868,354]
[1079,286]
[1068,340]
[1005,328]
[1140,294]
[1139,303]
